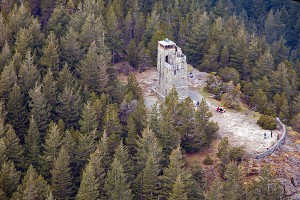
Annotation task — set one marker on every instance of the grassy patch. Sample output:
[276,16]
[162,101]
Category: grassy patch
[294,133]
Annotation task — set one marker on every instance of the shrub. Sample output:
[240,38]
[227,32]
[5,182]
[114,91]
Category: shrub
[237,153]
[267,122]
[208,160]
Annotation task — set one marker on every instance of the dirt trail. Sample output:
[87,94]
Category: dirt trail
[241,129]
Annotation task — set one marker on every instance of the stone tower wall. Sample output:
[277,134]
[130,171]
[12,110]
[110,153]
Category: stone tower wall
[172,73]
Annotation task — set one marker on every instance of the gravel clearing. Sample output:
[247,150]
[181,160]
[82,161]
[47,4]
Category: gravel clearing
[240,128]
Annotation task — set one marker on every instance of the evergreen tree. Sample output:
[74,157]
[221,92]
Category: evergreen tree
[71,52]
[53,142]
[5,54]
[132,54]
[50,58]
[150,179]
[89,186]
[211,59]
[171,173]
[9,178]
[65,78]
[99,106]
[50,91]
[3,157]
[196,38]
[28,74]
[116,185]
[178,191]
[113,33]
[32,147]
[97,162]
[216,190]
[121,153]
[61,181]
[16,112]
[24,41]
[259,100]
[69,106]
[59,20]
[131,138]
[264,65]
[112,126]
[33,186]
[233,187]
[280,51]
[2,119]
[39,108]
[261,189]
[93,70]
[14,150]
[88,120]
[7,79]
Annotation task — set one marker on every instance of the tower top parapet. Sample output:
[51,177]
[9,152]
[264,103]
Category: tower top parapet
[166,44]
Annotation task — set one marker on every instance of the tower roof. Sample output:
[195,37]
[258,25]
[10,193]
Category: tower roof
[166,42]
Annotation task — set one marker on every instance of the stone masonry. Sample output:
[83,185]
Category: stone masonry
[172,70]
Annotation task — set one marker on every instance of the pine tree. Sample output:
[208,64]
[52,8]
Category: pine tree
[97,162]
[112,126]
[65,78]
[88,120]
[178,191]
[33,186]
[196,38]
[93,69]
[89,186]
[71,52]
[7,79]
[14,150]
[24,41]
[9,178]
[233,187]
[50,58]
[69,106]
[59,20]
[211,59]
[3,32]
[216,190]
[16,61]
[50,91]
[132,54]
[116,185]
[36,34]
[32,147]
[28,74]
[174,170]
[132,136]
[5,54]
[99,106]
[85,147]
[113,34]
[2,119]
[150,179]
[121,153]
[264,65]
[39,108]
[53,142]
[61,181]
[16,112]
[3,156]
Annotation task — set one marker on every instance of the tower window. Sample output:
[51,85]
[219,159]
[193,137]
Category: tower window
[167,59]
[174,72]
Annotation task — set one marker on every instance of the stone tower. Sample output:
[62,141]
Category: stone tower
[172,70]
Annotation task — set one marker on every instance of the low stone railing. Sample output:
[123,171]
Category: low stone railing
[278,144]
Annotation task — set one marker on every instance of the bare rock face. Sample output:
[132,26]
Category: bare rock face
[289,189]
[295,197]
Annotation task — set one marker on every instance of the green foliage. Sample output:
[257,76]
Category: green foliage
[89,187]
[61,181]
[88,120]
[267,122]
[229,74]
[208,160]
[116,185]
[9,178]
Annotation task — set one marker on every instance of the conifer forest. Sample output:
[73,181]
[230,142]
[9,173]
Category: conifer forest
[70,129]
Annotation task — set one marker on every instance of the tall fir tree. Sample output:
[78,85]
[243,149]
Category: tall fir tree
[89,186]
[16,112]
[32,146]
[50,58]
[178,191]
[69,107]
[39,108]
[61,181]
[9,178]
[50,91]
[5,54]
[14,149]
[52,145]
[116,185]
[88,120]
[7,79]
[93,69]
[28,74]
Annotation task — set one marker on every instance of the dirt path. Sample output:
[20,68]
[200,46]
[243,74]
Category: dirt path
[241,129]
